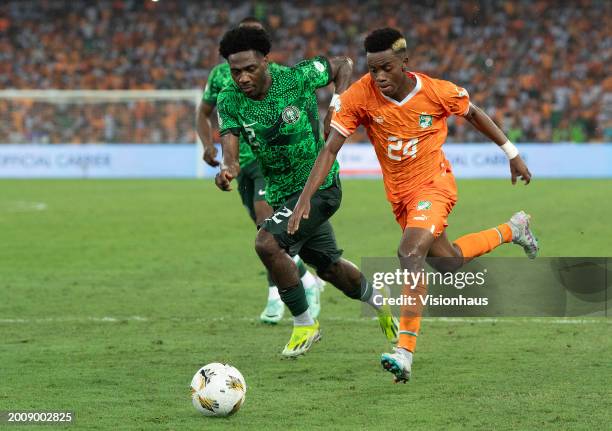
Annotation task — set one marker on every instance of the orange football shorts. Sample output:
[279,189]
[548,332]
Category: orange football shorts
[428,207]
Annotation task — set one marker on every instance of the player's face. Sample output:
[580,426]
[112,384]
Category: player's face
[249,70]
[386,69]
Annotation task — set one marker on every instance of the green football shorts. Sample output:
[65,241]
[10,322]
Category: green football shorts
[314,241]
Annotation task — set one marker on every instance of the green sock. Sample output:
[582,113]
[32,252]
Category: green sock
[366,290]
[294,298]
[300,264]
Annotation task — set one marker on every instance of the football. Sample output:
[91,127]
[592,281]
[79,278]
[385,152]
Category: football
[218,390]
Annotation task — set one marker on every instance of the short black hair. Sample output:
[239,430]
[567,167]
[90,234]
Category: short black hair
[383,39]
[244,39]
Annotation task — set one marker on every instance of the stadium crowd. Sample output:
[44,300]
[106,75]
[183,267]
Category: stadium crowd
[540,68]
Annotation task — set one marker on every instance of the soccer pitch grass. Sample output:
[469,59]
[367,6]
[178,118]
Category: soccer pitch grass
[113,293]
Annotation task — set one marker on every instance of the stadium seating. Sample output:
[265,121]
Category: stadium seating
[537,67]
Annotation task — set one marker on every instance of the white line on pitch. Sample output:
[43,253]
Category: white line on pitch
[470,320]
[23,206]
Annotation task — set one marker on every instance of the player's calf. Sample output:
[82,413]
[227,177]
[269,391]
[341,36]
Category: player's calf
[345,276]
[284,272]
[445,264]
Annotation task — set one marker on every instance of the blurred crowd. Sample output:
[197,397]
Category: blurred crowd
[67,122]
[540,68]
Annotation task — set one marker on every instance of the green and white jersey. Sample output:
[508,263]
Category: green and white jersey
[283,128]
[219,78]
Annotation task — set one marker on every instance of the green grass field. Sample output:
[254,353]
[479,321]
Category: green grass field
[113,293]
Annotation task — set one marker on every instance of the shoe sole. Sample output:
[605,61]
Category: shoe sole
[294,355]
[389,364]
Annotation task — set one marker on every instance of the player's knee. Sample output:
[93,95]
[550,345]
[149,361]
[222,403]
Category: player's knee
[265,245]
[411,257]
[409,251]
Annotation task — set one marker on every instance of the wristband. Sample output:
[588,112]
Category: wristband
[335,98]
[510,150]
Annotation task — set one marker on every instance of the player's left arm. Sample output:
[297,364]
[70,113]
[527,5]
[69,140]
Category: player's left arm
[485,125]
[341,73]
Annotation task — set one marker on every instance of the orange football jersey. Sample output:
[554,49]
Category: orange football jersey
[407,135]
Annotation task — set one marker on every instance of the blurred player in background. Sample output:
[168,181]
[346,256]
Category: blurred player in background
[276,109]
[251,185]
[404,114]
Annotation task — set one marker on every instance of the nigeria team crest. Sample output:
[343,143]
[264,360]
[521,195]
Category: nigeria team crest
[291,114]
[425,121]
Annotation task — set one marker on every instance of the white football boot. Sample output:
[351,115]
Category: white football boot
[523,235]
[399,363]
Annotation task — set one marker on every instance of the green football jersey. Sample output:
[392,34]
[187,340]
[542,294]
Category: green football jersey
[283,128]
[219,78]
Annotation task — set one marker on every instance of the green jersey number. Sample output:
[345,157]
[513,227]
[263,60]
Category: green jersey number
[250,132]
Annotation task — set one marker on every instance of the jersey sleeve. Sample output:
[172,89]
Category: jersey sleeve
[454,99]
[314,73]
[212,89]
[227,115]
[349,110]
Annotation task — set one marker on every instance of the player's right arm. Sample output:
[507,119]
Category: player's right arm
[322,165]
[229,129]
[230,167]
[204,128]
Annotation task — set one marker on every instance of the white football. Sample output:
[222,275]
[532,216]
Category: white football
[217,389]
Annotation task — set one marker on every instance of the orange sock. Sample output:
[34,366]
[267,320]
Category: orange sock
[410,318]
[409,331]
[479,243]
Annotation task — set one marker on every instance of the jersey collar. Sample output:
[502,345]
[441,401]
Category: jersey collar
[410,95]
